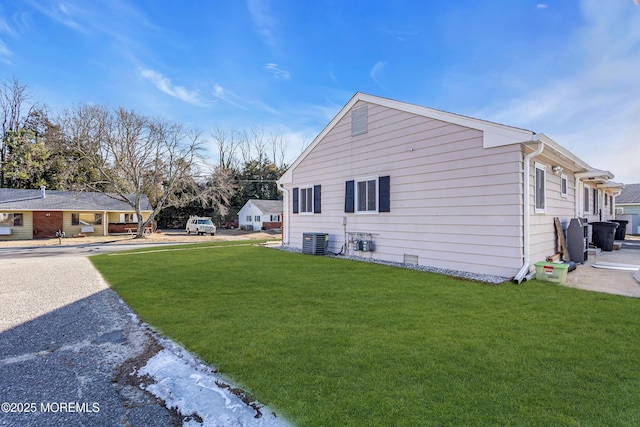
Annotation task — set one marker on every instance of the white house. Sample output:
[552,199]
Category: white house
[259,214]
[439,189]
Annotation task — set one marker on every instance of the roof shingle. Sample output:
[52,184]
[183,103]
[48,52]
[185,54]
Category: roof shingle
[630,194]
[32,200]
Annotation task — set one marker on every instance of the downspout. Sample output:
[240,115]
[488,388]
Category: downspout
[524,270]
[285,214]
[579,194]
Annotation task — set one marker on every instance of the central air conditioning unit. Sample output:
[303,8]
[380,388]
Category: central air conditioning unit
[315,243]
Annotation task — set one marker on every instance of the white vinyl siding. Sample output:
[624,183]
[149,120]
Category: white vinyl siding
[454,204]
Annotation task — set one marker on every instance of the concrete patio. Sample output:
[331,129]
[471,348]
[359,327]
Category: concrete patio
[611,281]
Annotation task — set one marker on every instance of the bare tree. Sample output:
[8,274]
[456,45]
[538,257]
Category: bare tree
[136,156]
[278,148]
[227,143]
[14,110]
[258,144]
[245,146]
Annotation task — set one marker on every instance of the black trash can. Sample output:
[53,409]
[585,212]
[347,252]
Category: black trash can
[603,234]
[621,231]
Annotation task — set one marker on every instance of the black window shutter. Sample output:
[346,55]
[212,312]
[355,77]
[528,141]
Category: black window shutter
[295,200]
[316,199]
[384,187]
[348,196]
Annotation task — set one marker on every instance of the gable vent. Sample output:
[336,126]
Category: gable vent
[359,121]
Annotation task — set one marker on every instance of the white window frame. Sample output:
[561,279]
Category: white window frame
[302,206]
[9,219]
[356,195]
[564,189]
[586,198]
[85,218]
[543,169]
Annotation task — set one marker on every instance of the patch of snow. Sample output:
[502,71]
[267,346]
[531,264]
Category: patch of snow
[198,394]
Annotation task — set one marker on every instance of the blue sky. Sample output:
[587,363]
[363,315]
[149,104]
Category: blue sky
[566,68]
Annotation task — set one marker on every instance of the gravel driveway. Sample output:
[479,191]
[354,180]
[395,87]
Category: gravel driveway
[73,354]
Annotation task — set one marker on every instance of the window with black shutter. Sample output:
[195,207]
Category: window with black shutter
[384,186]
[317,199]
[368,195]
[295,200]
[348,196]
[307,200]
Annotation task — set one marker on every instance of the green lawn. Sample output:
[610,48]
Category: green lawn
[332,342]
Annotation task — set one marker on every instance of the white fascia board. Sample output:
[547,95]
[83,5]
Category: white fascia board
[564,154]
[612,185]
[595,174]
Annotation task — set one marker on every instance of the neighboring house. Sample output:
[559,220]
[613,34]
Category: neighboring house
[628,207]
[259,214]
[439,189]
[33,214]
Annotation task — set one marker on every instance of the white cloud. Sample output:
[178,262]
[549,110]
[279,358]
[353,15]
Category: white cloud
[263,19]
[66,14]
[592,110]
[229,97]
[276,71]
[164,84]
[541,6]
[5,28]
[376,72]
[4,50]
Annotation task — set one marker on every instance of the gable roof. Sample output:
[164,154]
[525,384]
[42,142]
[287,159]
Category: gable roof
[630,195]
[267,206]
[493,134]
[33,200]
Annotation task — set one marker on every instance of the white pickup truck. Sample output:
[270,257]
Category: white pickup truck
[200,225]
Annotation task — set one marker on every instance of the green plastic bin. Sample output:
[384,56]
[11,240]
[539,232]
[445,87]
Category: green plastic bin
[552,272]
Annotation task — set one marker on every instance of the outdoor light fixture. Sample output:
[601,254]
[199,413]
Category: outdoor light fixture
[557,169]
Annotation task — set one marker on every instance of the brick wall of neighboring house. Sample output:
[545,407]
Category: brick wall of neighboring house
[271,225]
[115,228]
[46,224]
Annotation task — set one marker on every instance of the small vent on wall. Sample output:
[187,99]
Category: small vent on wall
[411,259]
[359,121]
